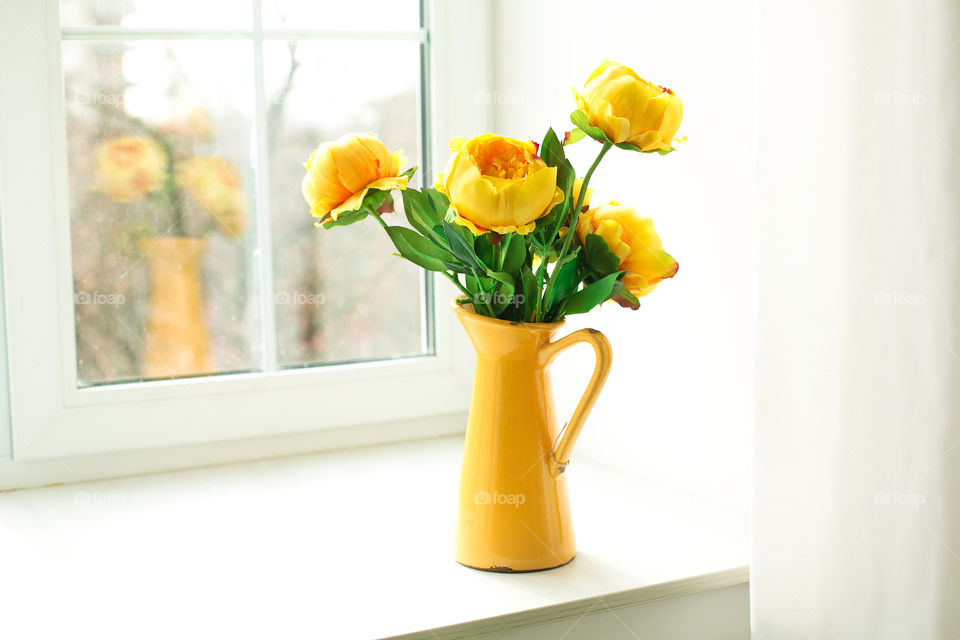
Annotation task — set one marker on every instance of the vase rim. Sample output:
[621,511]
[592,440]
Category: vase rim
[462,308]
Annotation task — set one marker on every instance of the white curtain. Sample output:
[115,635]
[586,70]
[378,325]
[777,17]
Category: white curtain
[857,457]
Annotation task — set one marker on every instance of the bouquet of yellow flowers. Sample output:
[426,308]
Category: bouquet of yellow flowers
[508,221]
[157,166]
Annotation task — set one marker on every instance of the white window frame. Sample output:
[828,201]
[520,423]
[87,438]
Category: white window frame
[50,418]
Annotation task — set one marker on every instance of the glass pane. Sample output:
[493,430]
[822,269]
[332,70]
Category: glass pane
[339,15]
[160,188]
[223,14]
[340,293]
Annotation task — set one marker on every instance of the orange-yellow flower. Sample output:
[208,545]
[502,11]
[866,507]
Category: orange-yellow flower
[340,173]
[498,184]
[634,241]
[216,186]
[130,167]
[627,108]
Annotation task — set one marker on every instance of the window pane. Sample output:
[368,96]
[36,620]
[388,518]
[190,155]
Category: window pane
[160,188]
[222,14]
[340,293]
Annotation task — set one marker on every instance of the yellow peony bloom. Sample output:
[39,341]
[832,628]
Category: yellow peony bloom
[215,184]
[634,241]
[340,173]
[629,109]
[498,184]
[130,167]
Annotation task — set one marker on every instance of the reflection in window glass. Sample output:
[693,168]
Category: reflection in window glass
[160,202]
[164,169]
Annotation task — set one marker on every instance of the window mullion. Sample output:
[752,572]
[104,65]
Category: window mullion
[427,291]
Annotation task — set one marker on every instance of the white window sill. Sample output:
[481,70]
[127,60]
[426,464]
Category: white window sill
[342,544]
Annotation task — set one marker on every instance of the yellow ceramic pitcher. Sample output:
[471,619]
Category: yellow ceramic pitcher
[514,513]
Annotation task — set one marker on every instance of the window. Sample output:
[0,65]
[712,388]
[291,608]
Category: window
[164,282]
[175,141]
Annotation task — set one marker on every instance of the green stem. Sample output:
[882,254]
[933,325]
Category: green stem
[571,229]
[450,276]
[381,221]
[173,193]
[484,296]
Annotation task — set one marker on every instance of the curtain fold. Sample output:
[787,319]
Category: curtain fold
[856,530]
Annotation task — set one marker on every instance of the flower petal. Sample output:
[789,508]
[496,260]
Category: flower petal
[355,200]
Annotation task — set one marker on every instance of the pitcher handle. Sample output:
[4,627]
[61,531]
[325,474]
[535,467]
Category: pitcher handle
[560,456]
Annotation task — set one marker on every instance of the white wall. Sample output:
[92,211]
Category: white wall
[679,404]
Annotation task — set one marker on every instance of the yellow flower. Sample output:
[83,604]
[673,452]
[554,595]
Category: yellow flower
[340,173]
[215,184]
[498,184]
[629,109]
[634,241]
[130,167]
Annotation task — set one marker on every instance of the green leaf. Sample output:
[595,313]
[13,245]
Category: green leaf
[551,150]
[475,285]
[344,219]
[438,201]
[565,179]
[461,248]
[579,118]
[503,299]
[628,146]
[567,278]
[599,255]
[420,244]
[552,153]
[592,295]
[456,267]
[418,249]
[530,291]
[514,253]
[419,212]
[633,147]
[500,276]
[574,136]
[450,219]
[485,251]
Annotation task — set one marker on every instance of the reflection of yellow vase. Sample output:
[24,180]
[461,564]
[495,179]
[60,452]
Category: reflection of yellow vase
[514,514]
[177,342]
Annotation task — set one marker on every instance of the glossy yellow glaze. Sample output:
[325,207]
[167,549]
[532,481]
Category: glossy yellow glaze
[514,513]
[177,342]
